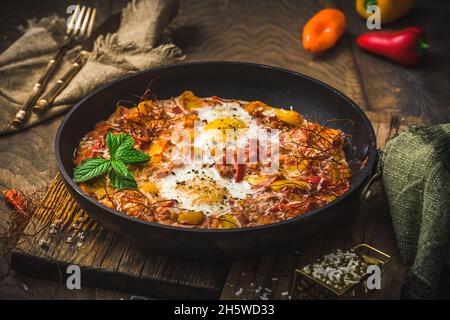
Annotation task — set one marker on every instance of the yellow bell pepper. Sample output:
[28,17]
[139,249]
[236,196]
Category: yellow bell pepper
[289,116]
[149,187]
[280,184]
[191,217]
[156,150]
[228,221]
[390,10]
[256,106]
[190,100]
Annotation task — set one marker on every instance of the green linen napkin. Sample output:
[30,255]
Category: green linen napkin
[132,48]
[415,168]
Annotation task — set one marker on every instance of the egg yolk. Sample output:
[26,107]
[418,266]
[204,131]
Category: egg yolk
[224,124]
[203,190]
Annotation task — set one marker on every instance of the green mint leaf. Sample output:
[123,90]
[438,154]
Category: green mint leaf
[120,168]
[119,182]
[120,147]
[118,141]
[90,168]
[131,156]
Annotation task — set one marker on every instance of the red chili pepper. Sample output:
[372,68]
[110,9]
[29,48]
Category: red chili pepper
[406,47]
[16,200]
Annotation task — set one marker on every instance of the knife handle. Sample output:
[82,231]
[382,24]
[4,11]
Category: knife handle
[24,112]
[50,96]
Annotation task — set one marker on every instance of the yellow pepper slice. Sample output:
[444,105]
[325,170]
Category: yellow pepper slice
[280,184]
[191,217]
[289,116]
[228,221]
[190,101]
[149,187]
[257,106]
[156,150]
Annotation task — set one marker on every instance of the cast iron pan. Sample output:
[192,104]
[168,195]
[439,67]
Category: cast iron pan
[245,81]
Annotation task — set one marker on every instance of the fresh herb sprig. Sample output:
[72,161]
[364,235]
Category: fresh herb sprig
[121,153]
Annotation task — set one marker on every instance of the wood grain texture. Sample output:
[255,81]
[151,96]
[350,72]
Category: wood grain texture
[422,90]
[262,32]
[267,32]
[61,234]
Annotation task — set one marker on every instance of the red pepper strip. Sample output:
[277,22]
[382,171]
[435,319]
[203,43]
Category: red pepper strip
[286,206]
[16,200]
[92,152]
[239,174]
[406,47]
[313,179]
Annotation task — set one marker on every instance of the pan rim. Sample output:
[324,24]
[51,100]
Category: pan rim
[371,156]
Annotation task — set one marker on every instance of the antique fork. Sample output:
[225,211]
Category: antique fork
[49,97]
[79,27]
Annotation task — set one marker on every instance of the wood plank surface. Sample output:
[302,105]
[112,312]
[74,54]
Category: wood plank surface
[262,32]
[422,90]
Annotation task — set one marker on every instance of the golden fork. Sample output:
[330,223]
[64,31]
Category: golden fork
[79,27]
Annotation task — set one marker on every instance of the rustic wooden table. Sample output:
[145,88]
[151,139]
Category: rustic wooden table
[267,32]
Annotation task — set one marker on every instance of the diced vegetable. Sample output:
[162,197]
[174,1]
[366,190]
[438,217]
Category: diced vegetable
[191,217]
[255,179]
[295,169]
[149,187]
[190,101]
[228,221]
[289,116]
[257,106]
[313,179]
[157,149]
[280,184]
[239,174]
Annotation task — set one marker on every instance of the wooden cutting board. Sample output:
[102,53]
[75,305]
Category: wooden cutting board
[62,234]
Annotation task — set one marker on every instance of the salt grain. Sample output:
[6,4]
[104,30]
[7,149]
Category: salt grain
[264,296]
[237,293]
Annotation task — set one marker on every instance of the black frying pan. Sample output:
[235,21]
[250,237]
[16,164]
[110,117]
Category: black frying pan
[274,86]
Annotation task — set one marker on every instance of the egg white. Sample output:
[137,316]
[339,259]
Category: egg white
[169,189]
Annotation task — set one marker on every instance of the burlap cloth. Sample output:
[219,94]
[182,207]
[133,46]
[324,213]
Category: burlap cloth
[415,168]
[135,46]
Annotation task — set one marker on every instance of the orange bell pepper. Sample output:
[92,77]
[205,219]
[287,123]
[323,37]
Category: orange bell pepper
[323,30]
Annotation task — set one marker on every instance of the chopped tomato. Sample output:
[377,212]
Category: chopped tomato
[313,179]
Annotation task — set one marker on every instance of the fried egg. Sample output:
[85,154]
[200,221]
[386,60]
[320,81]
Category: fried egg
[201,188]
[227,124]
